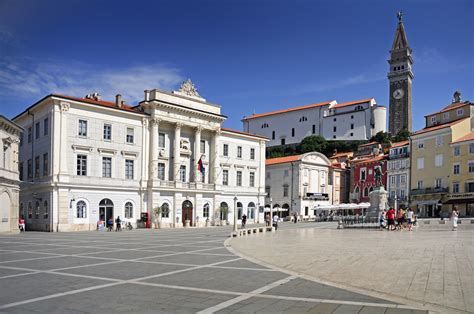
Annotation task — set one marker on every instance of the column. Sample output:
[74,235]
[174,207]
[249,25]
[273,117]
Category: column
[215,163]
[177,151]
[153,166]
[63,139]
[197,153]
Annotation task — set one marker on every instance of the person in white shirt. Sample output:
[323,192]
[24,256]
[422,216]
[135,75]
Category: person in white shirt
[410,219]
[275,221]
[454,217]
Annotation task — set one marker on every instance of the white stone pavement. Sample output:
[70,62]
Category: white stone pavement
[431,268]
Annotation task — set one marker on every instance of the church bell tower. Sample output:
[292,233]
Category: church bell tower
[400,77]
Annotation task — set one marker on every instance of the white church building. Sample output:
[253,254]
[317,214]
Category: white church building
[355,120]
[85,159]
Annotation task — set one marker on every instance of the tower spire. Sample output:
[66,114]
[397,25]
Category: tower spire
[400,41]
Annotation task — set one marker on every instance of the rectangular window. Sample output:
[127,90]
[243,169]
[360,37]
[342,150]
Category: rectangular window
[433,119]
[161,140]
[471,166]
[37,130]
[81,165]
[252,179]
[362,174]
[107,132]
[439,140]
[239,178]
[282,141]
[129,169]
[352,126]
[205,211]
[267,191]
[293,132]
[457,151]
[269,175]
[252,153]
[202,147]
[239,151]
[225,177]
[392,180]
[45,164]
[286,173]
[46,126]
[82,128]
[419,184]
[273,135]
[459,112]
[20,169]
[469,187]
[403,179]
[30,168]
[471,148]
[226,150]
[30,135]
[182,173]
[130,135]
[334,128]
[314,128]
[446,115]
[438,182]
[421,145]
[456,169]
[107,167]
[456,187]
[420,163]
[285,191]
[402,194]
[37,167]
[439,160]
[161,171]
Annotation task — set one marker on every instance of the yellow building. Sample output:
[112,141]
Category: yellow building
[432,158]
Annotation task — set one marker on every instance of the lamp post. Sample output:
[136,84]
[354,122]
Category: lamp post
[235,213]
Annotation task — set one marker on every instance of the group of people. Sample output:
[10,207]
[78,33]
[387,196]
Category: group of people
[269,220]
[403,219]
[109,224]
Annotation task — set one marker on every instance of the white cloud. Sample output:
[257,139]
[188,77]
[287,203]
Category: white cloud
[29,78]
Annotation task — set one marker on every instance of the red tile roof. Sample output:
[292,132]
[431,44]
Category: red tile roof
[349,103]
[370,159]
[271,113]
[368,144]
[102,103]
[244,133]
[342,154]
[281,160]
[398,144]
[450,107]
[438,127]
[469,137]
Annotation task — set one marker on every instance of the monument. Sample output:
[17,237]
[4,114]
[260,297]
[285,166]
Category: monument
[378,197]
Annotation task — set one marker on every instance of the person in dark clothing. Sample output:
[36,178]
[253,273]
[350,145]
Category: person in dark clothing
[110,224]
[118,224]
[244,221]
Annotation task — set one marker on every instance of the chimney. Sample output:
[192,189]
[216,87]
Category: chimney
[147,95]
[118,100]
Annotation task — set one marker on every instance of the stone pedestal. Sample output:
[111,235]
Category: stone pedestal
[378,202]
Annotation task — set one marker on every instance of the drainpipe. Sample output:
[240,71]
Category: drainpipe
[292,187]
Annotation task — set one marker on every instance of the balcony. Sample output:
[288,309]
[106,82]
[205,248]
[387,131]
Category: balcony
[429,191]
[187,185]
[397,156]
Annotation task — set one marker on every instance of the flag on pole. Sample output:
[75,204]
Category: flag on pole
[201,165]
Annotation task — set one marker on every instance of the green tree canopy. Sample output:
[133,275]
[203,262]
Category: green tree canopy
[315,143]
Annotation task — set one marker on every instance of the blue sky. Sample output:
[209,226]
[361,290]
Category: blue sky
[248,56]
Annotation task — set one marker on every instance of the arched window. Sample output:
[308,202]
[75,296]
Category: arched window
[224,209]
[46,210]
[165,210]
[356,190]
[357,108]
[371,189]
[128,210]
[205,210]
[30,210]
[37,209]
[81,209]
[239,210]
[251,210]
[303,119]
[366,192]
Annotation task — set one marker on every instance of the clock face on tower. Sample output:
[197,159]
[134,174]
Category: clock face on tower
[398,93]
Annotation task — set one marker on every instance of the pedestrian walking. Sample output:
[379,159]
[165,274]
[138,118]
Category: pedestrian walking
[21,224]
[244,221]
[295,216]
[118,224]
[391,219]
[110,224]
[400,218]
[410,216]
[275,221]
[454,217]
[267,220]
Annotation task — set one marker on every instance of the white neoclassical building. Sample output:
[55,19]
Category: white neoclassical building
[85,159]
[355,120]
[300,183]
[398,174]
[9,176]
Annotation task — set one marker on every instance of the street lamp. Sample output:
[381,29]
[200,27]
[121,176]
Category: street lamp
[235,213]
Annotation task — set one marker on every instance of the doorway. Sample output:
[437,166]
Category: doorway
[187,212]
[106,210]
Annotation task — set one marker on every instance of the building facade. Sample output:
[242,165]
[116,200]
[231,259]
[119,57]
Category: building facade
[9,175]
[363,179]
[400,78]
[398,174]
[432,160]
[356,120]
[84,159]
[299,184]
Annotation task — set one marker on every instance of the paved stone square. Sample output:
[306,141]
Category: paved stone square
[152,271]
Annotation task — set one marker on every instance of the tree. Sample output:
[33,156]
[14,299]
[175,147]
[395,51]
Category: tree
[315,143]
[381,137]
[402,135]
